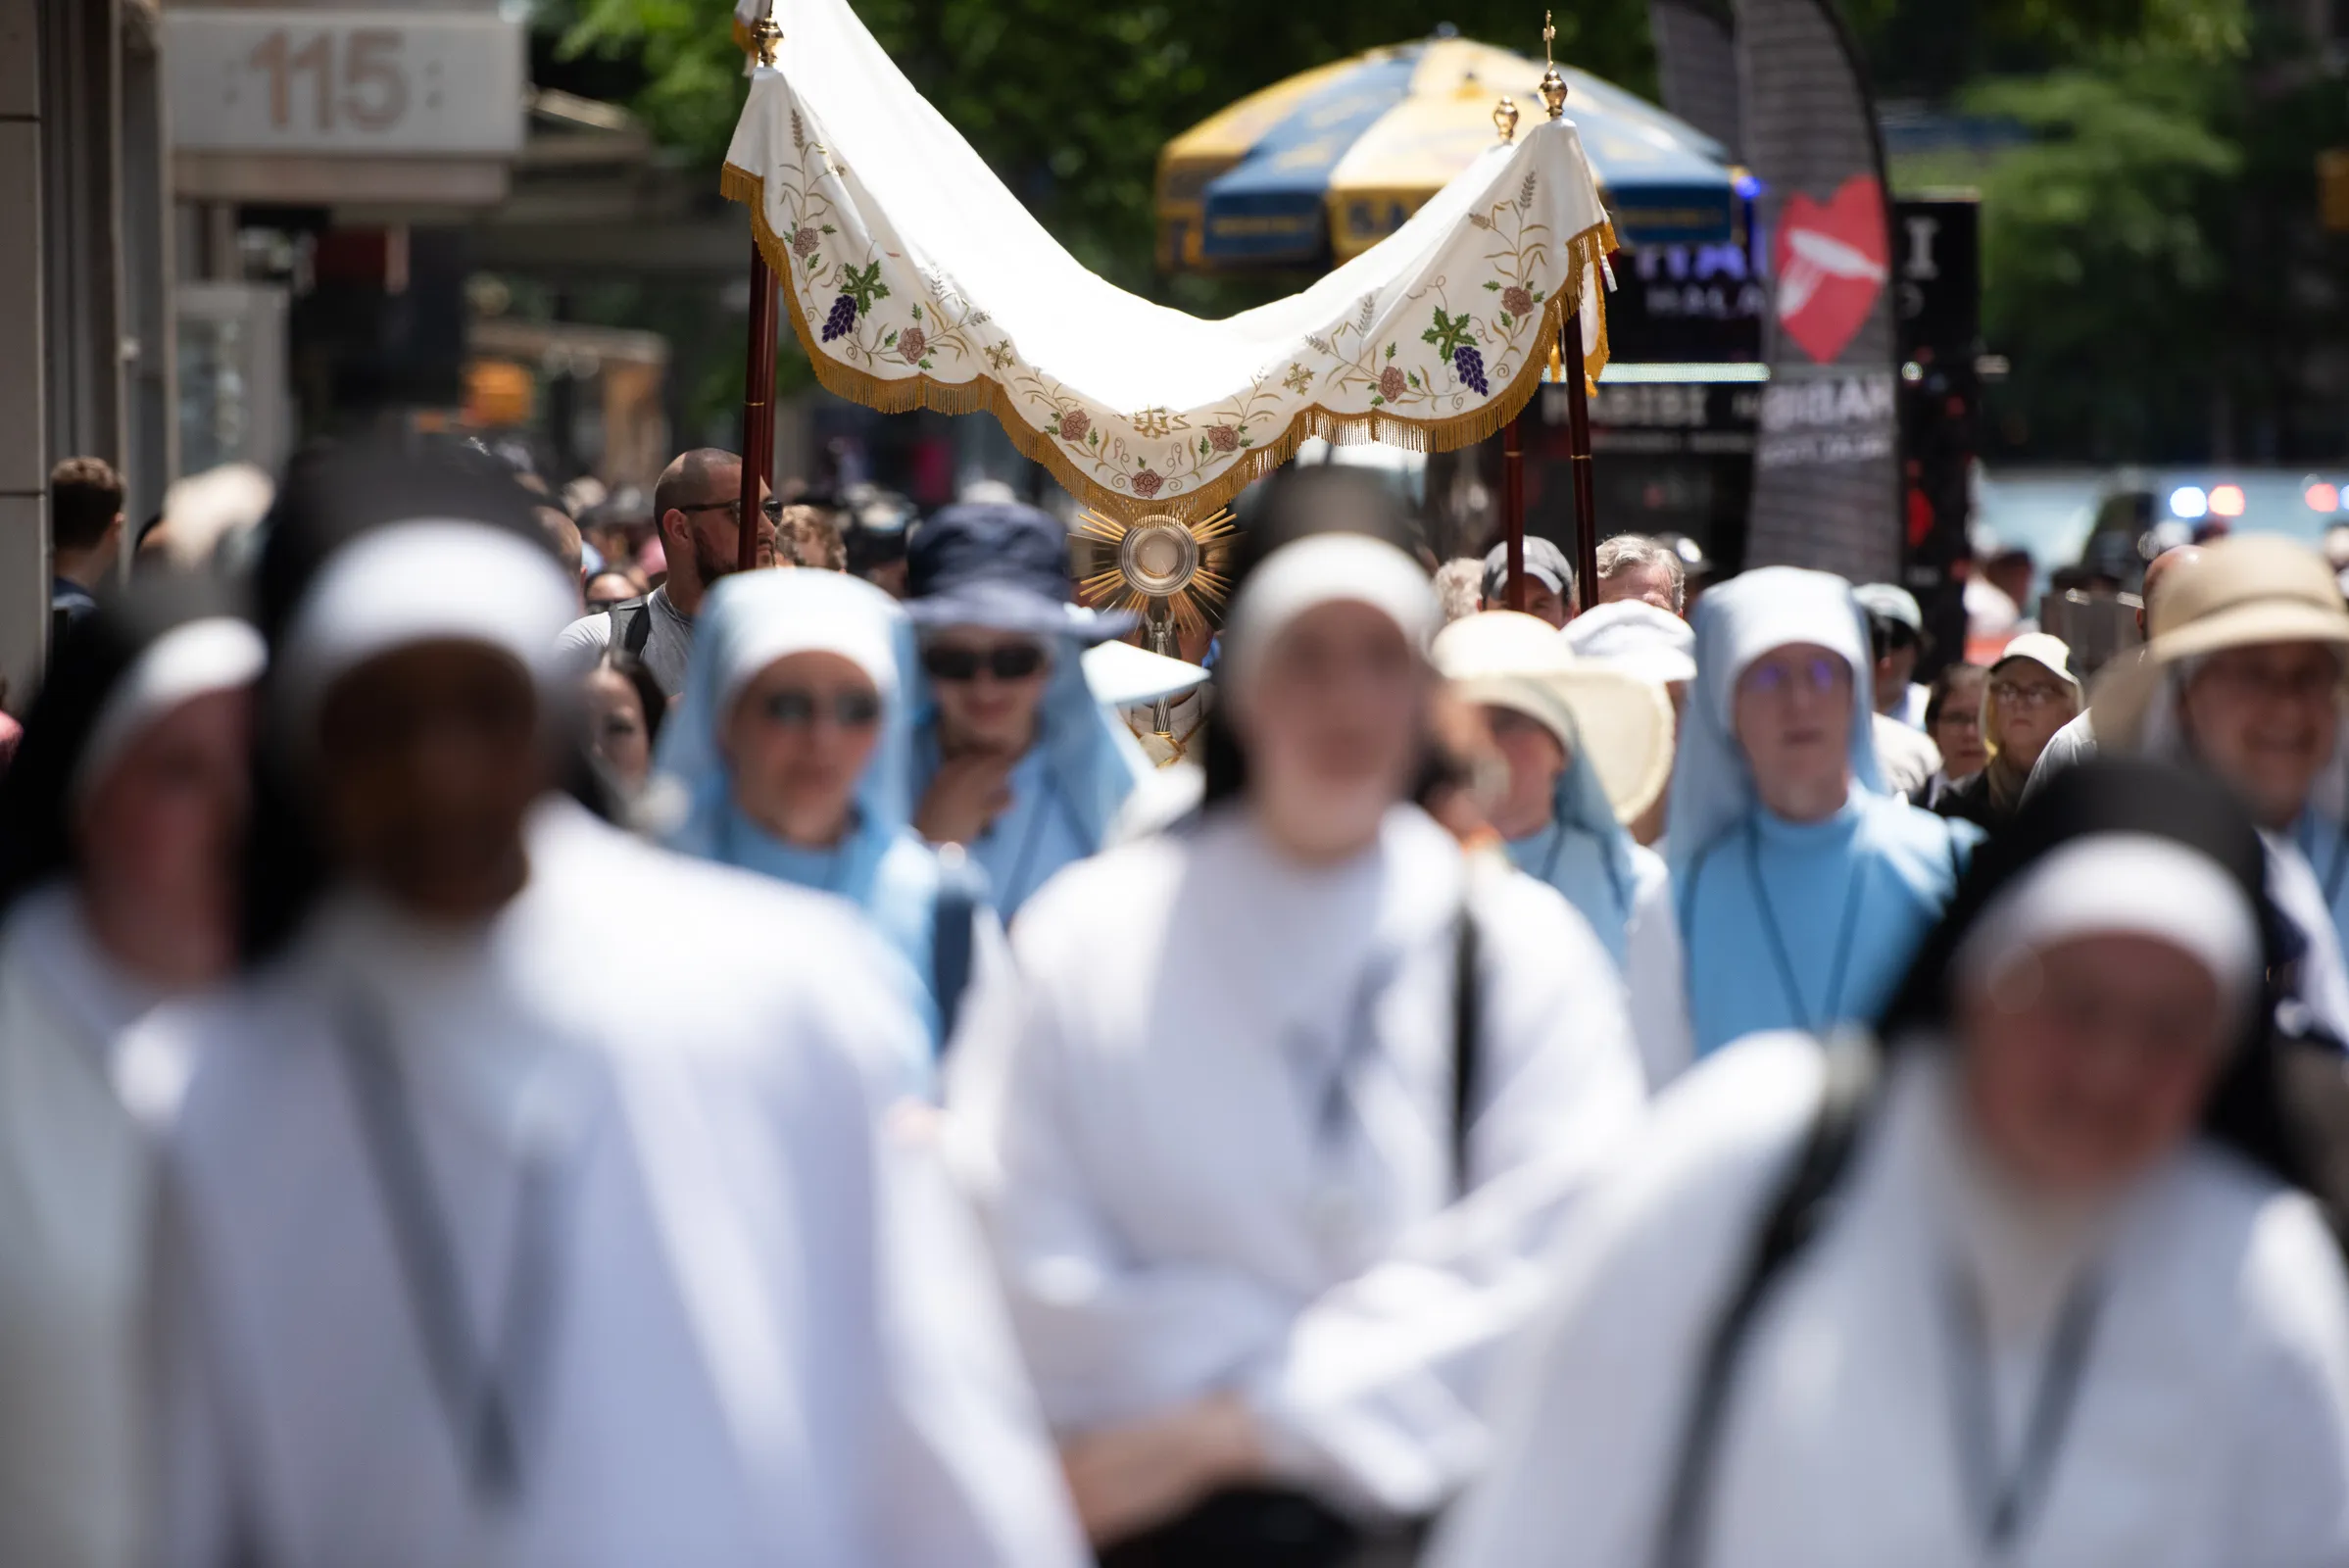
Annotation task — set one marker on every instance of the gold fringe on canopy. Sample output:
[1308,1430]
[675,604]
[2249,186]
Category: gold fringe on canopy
[1586,254]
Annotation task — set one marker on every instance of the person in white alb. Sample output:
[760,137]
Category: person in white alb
[2030,1276]
[119,827]
[471,1256]
[1285,1110]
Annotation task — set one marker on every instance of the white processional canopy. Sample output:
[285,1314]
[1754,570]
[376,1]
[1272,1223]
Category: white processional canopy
[914,280]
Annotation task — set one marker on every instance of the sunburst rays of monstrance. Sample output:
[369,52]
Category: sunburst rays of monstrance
[1168,569]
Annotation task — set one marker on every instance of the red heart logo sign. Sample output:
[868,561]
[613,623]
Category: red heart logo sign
[1830,262]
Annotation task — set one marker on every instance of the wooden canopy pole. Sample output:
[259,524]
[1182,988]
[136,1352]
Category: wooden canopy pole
[1512,489]
[1577,437]
[758,408]
[759,368]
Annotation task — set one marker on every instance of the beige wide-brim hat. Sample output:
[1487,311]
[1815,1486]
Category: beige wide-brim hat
[2243,591]
[1616,724]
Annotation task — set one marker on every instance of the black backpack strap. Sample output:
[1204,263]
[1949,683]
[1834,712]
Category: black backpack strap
[631,626]
[1467,1027]
[1796,1213]
[953,939]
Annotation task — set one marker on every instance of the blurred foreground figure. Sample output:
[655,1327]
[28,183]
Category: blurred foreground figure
[1803,886]
[476,1256]
[1285,1108]
[119,837]
[1588,748]
[792,744]
[2024,1280]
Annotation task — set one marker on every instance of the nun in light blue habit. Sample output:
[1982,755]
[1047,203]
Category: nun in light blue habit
[1000,571]
[931,910]
[1794,921]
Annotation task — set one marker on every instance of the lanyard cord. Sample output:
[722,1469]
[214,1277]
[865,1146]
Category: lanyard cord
[2338,870]
[1359,1039]
[484,1394]
[2006,1504]
[1557,846]
[1778,940]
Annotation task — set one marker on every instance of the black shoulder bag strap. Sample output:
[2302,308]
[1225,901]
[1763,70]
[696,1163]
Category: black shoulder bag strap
[954,934]
[1793,1218]
[1467,1026]
[631,626]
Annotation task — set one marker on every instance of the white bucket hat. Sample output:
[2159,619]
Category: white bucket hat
[1617,723]
[1636,638]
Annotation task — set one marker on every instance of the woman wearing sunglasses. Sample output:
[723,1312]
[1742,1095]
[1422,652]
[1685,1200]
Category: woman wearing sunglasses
[790,743]
[1803,885]
[1019,760]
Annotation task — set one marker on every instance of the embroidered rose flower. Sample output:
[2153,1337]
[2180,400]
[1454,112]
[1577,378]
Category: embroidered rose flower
[911,343]
[804,241]
[1223,437]
[1147,483]
[1392,386]
[1075,424]
[1517,301]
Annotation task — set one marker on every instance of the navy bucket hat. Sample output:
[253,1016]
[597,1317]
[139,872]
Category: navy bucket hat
[1004,566]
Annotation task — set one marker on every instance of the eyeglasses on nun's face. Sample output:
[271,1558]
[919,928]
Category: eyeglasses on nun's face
[1814,674]
[1005,661]
[794,707]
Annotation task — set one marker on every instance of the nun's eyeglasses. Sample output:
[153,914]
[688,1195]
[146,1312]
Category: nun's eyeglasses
[1818,676]
[793,709]
[1010,662]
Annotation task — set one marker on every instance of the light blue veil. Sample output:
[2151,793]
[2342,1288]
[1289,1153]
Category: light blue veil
[1737,624]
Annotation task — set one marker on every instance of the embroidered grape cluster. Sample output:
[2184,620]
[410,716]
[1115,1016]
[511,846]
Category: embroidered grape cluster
[843,319]
[1471,367]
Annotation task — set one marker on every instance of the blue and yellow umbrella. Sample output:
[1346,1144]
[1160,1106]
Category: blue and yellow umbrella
[1315,169]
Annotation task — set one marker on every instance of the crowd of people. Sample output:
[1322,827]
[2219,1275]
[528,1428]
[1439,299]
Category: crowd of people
[521,1042]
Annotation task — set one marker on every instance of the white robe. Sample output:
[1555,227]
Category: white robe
[774,1339]
[1189,1193]
[76,1181]
[1655,973]
[2211,1420]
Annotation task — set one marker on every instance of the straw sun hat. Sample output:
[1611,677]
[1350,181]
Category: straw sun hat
[1616,722]
[2244,591]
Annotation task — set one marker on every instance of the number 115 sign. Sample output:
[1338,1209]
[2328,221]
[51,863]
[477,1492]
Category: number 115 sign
[344,81]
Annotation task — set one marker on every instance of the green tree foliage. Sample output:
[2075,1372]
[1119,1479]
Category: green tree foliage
[2152,265]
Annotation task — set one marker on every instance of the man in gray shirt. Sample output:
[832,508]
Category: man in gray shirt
[697,507]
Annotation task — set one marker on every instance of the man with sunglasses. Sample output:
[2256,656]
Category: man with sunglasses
[697,504]
[1015,760]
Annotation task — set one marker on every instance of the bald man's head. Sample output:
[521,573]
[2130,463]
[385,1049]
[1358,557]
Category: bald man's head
[695,478]
[2157,573]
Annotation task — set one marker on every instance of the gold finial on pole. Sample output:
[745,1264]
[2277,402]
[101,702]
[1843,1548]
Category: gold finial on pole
[766,34]
[1504,118]
[1553,86]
